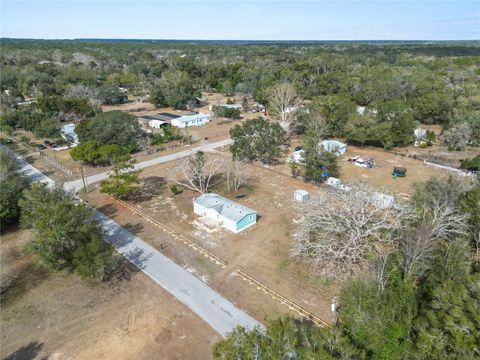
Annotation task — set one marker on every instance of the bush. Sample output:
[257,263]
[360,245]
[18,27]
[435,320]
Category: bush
[430,138]
[174,189]
[222,111]
[472,164]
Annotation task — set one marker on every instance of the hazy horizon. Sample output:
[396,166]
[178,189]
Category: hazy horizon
[244,20]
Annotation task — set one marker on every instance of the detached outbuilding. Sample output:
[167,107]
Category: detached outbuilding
[301,195]
[226,213]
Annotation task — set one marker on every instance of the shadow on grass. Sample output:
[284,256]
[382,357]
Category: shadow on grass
[108,210]
[20,280]
[27,352]
[134,228]
[152,186]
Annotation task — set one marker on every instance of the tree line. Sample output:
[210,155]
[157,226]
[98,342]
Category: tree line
[400,85]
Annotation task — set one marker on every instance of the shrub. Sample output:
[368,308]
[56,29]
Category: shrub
[174,189]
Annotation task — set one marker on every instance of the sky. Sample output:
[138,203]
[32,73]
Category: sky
[242,20]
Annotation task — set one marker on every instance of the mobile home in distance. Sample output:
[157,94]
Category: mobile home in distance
[199,119]
[226,213]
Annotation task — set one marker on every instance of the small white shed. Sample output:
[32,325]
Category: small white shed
[301,195]
[156,124]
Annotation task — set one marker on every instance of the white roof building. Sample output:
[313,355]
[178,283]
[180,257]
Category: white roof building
[334,145]
[225,212]
[68,133]
[301,195]
[199,119]
[156,124]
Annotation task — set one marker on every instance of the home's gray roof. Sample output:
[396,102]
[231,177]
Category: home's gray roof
[225,207]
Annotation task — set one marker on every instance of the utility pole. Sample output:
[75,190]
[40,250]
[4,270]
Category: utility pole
[83,180]
[334,310]
[186,133]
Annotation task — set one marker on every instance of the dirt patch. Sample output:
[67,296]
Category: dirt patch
[64,317]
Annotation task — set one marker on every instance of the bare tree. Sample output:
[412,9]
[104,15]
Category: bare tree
[379,268]
[316,125]
[438,221]
[238,174]
[340,229]
[458,136]
[199,172]
[284,102]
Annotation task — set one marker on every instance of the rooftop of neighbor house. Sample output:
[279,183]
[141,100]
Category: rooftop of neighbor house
[164,116]
[225,207]
[187,118]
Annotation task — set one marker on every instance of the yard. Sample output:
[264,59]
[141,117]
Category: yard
[381,174]
[263,250]
[61,316]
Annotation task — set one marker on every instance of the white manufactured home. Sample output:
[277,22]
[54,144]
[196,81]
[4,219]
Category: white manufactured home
[199,119]
[226,213]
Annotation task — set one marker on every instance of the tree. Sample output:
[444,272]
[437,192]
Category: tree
[472,164]
[86,151]
[458,136]
[437,221]
[257,139]
[238,175]
[122,181]
[245,104]
[336,111]
[317,161]
[66,236]
[174,89]
[433,107]
[113,127]
[341,229]
[199,173]
[12,184]
[111,95]
[398,115]
[47,128]
[284,103]
[223,111]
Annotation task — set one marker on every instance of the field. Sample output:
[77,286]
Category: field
[60,316]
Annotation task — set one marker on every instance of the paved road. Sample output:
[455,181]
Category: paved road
[78,184]
[217,311]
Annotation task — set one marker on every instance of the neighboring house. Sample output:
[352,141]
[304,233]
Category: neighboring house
[68,133]
[199,119]
[164,116]
[228,106]
[224,212]
[334,145]
[420,136]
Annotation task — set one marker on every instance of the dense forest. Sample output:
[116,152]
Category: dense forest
[399,84]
